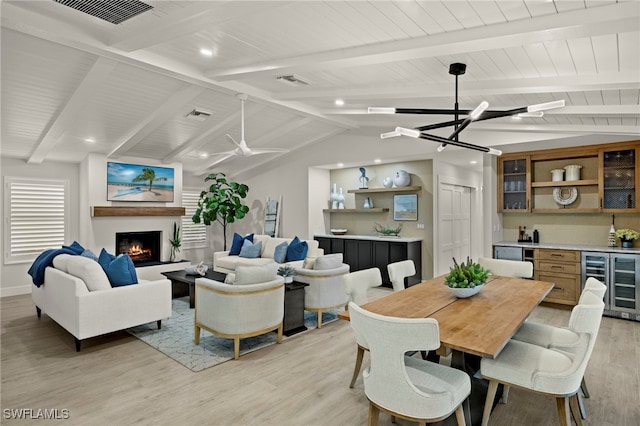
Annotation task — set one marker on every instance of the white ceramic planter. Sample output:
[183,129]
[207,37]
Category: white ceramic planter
[463,293]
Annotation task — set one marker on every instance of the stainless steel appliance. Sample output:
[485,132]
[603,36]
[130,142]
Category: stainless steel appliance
[621,273]
[509,253]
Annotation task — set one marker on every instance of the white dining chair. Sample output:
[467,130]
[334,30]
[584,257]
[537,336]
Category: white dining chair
[556,372]
[549,336]
[507,268]
[409,388]
[357,284]
[398,271]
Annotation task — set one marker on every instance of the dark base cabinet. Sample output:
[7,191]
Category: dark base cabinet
[375,252]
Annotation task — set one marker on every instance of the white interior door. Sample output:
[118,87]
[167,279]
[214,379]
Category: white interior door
[454,225]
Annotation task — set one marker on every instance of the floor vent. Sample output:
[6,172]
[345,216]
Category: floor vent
[114,11]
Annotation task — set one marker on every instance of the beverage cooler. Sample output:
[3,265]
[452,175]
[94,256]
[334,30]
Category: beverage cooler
[621,274]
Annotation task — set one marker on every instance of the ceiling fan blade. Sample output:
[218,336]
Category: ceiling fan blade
[268,150]
[232,140]
[224,158]
[229,153]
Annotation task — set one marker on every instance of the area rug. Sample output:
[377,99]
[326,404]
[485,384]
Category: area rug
[175,339]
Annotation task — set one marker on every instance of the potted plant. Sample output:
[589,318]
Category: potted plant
[627,236]
[467,278]
[175,242]
[387,232]
[287,271]
[221,202]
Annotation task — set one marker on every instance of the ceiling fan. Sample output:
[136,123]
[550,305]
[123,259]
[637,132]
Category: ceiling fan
[242,149]
[478,114]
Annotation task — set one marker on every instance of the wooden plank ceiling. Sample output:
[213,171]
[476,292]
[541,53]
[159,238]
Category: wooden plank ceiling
[74,84]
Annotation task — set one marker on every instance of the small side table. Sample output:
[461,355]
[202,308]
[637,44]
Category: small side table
[180,280]
[294,308]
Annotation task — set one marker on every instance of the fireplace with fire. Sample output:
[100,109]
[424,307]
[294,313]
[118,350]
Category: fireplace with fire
[142,247]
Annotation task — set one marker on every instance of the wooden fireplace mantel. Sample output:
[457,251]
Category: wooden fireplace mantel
[103,211]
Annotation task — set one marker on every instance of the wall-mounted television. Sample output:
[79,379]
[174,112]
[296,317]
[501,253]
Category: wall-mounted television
[136,182]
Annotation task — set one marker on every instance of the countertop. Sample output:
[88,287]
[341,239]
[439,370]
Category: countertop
[581,247]
[369,237]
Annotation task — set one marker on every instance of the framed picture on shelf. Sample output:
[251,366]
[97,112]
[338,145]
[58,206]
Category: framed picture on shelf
[405,207]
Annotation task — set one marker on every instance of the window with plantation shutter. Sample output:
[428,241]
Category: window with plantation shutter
[194,235]
[35,217]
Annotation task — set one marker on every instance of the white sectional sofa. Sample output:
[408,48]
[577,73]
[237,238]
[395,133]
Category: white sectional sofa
[66,297]
[224,263]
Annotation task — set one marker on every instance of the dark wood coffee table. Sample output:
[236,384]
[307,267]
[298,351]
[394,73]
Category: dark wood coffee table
[180,281]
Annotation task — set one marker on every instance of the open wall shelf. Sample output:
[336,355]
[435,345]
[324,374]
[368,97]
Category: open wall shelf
[104,211]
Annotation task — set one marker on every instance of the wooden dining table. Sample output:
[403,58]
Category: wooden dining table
[474,327]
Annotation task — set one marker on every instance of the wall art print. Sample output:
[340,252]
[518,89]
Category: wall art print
[136,182]
[405,207]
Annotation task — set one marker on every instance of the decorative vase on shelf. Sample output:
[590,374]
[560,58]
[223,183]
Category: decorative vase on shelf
[340,199]
[387,182]
[334,197]
[402,178]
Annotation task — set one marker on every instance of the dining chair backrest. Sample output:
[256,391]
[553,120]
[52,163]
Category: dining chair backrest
[594,286]
[386,383]
[398,271]
[586,316]
[507,268]
[359,282]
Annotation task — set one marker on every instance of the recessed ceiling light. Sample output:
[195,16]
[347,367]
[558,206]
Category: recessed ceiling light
[473,162]
[340,164]
[204,155]
[206,52]
[377,160]
[339,102]
[90,140]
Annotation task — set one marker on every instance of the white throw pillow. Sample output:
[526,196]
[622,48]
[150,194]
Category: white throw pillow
[256,274]
[329,261]
[90,272]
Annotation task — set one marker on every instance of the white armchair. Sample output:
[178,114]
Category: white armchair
[239,311]
[326,289]
[507,268]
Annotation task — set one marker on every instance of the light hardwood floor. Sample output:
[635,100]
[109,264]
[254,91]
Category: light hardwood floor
[119,380]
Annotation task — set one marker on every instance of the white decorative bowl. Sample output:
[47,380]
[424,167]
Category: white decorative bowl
[465,292]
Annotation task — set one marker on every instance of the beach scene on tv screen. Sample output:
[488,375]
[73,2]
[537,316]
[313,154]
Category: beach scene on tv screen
[135,182]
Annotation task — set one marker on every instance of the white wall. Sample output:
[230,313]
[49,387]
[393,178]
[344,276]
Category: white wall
[13,277]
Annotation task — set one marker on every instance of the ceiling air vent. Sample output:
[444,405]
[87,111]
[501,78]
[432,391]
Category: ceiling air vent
[198,115]
[114,11]
[292,79]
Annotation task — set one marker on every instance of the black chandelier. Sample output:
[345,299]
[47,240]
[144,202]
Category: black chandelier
[478,114]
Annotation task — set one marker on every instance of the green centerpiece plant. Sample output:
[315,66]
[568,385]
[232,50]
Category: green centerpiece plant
[287,271]
[467,276]
[627,236]
[384,231]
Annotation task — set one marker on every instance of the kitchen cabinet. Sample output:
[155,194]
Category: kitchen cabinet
[364,253]
[561,267]
[609,180]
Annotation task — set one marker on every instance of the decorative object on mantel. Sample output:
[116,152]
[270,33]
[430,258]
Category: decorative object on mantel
[466,279]
[199,269]
[402,178]
[387,182]
[175,242]
[287,271]
[363,178]
[627,236]
[565,195]
[612,233]
[221,202]
[478,114]
[387,232]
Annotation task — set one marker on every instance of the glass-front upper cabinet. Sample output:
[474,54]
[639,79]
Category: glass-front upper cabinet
[619,179]
[514,178]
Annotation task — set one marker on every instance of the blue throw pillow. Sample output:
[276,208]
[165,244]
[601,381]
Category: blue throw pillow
[297,250]
[280,252]
[75,247]
[91,255]
[238,241]
[251,250]
[105,258]
[121,271]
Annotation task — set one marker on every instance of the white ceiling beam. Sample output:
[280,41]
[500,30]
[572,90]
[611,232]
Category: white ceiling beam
[204,14]
[595,82]
[622,17]
[216,130]
[167,110]
[71,109]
